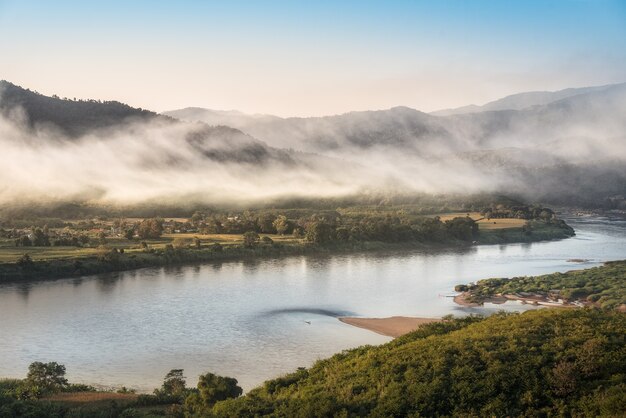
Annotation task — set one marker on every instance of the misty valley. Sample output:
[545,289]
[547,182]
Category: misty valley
[463,262]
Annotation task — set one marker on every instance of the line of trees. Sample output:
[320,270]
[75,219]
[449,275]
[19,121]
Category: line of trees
[329,226]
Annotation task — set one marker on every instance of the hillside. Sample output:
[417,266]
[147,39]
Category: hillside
[521,101]
[72,117]
[567,152]
[567,148]
[398,127]
[579,118]
[540,363]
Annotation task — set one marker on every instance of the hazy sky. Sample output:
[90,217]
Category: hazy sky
[302,58]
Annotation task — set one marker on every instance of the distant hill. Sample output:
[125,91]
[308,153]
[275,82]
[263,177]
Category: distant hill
[586,115]
[521,101]
[111,151]
[232,118]
[569,150]
[396,127]
[72,117]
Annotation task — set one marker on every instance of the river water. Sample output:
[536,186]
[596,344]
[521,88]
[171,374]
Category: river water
[249,319]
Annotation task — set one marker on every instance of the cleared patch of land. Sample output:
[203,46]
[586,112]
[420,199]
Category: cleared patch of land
[394,326]
[484,223]
[78,398]
[10,253]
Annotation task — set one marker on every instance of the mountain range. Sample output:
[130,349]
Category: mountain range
[593,116]
[567,146]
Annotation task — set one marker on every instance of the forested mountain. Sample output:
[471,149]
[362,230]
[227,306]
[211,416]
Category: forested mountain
[72,117]
[399,127]
[566,147]
[569,151]
[573,117]
[110,152]
[66,118]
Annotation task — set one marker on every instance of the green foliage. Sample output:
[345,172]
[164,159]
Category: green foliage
[319,232]
[250,239]
[281,224]
[174,383]
[211,389]
[49,377]
[603,286]
[540,363]
[150,228]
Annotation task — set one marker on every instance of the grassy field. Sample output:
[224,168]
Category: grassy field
[486,224]
[73,399]
[10,253]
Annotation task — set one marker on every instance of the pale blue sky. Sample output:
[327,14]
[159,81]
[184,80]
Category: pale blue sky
[310,58]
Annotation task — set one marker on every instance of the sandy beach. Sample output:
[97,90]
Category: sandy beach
[394,326]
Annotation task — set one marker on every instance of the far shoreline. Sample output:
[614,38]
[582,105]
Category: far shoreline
[63,268]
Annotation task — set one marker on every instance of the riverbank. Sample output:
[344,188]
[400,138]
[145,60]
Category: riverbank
[394,326]
[112,260]
[601,287]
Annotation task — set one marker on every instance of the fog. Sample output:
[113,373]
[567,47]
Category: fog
[560,149]
[164,162]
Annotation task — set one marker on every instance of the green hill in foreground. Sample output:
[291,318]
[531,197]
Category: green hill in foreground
[540,363]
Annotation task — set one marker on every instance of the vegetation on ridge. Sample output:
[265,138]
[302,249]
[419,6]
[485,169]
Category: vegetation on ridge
[603,286]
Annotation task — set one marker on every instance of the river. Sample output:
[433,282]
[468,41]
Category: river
[249,319]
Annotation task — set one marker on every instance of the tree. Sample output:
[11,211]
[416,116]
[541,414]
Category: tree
[319,232]
[150,228]
[49,377]
[197,217]
[107,255]
[250,239]
[281,224]
[23,241]
[211,389]
[129,234]
[298,232]
[40,239]
[266,223]
[102,238]
[25,261]
[174,383]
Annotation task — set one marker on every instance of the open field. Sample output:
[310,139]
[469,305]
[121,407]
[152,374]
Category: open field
[81,398]
[10,253]
[486,224]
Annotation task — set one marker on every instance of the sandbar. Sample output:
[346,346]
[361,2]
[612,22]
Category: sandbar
[394,326]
